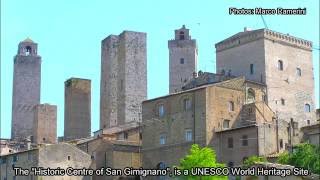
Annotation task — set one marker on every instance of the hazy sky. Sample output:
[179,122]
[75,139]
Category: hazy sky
[69,35]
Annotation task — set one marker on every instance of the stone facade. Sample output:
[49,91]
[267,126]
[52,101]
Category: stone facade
[45,124]
[202,115]
[281,61]
[183,56]
[46,156]
[26,89]
[77,114]
[106,152]
[123,78]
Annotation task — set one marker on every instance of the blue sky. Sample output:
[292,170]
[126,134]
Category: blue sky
[69,35]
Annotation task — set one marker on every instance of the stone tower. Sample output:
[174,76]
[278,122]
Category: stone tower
[123,84]
[281,61]
[45,124]
[26,89]
[77,108]
[183,55]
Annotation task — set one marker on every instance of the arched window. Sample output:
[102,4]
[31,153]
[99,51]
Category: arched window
[307,108]
[283,102]
[28,50]
[161,110]
[231,106]
[280,65]
[298,71]
[251,68]
[181,35]
[251,95]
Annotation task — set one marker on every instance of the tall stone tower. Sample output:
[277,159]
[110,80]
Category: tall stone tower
[45,124]
[26,89]
[183,55]
[123,84]
[281,61]
[77,108]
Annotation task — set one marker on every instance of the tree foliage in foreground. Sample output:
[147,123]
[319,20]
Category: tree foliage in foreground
[252,160]
[304,155]
[200,157]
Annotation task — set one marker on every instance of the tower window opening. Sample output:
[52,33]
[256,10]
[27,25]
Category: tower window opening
[181,35]
[251,68]
[298,72]
[182,61]
[28,51]
[307,108]
[280,65]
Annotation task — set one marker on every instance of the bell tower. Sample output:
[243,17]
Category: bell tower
[26,89]
[183,55]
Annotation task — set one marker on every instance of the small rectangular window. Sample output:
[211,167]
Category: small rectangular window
[163,138]
[281,143]
[230,142]
[251,69]
[161,110]
[226,124]
[186,104]
[181,60]
[188,135]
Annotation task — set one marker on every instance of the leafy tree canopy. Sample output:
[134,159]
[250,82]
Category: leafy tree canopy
[201,157]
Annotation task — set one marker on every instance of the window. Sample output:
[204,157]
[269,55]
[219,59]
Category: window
[188,135]
[121,84]
[69,158]
[125,135]
[28,50]
[251,95]
[251,69]
[186,104]
[230,142]
[307,108]
[298,72]
[231,106]
[181,35]
[3,160]
[15,158]
[140,136]
[226,124]
[280,65]
[29,156]
[244,140]
[181,61]
[283,102]
[161,110]
[281,143]
[163,138]
[308,122]
[264,98]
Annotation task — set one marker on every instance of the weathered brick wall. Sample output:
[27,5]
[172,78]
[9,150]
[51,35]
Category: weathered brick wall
[45,124]
[77,121]
[123,78]
[180,74]
[26,90]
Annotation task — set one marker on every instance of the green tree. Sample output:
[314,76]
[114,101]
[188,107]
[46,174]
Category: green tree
[304,155]
[200,157]
[252,160]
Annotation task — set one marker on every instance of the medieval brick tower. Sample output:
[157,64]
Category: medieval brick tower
[77,108]
[26,89]
[281,61]
[183,55]
[123,84]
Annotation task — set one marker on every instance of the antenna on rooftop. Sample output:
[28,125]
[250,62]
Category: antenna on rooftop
[264,22]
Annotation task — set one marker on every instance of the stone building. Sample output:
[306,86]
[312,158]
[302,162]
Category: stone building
[77,113]
[46,156]
[123,84]
[183,56]
[208,115]
[26,88]
[281,61]
[45,124]
[113,151]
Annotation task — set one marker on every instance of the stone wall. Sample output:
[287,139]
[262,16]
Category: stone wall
[26,89]
[77,115]
[45,124]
